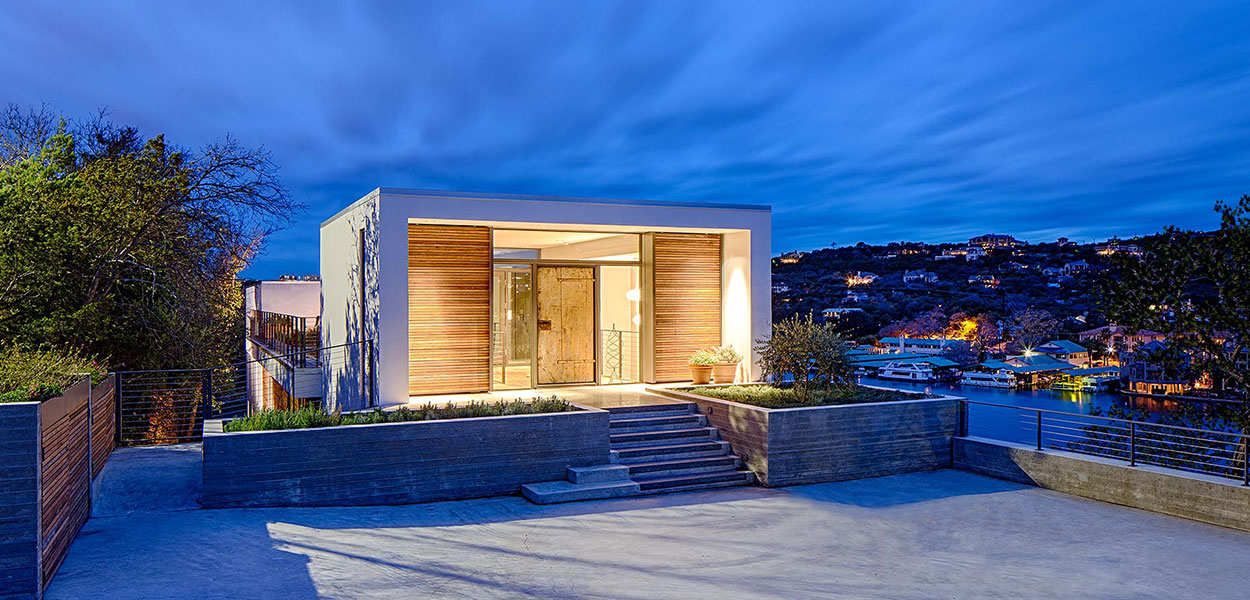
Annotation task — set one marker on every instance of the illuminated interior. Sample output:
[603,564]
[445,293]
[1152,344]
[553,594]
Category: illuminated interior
[613,303]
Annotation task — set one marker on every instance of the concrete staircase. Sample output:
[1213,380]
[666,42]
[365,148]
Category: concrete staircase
[655,449]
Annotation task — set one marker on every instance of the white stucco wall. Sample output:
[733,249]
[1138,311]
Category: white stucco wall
[386,213]
[344,325]
[297,298]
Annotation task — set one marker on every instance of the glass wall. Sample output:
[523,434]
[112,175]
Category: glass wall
[512,327]
[620,320]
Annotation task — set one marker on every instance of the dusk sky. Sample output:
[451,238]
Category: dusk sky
[870,121]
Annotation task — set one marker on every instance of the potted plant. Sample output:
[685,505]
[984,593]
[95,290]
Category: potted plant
[725,370]
[701,367]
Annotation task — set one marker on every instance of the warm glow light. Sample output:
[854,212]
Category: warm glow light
[633,295]
[637,319]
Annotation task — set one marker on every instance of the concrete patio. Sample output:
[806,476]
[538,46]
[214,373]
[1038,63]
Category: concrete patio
[945,534]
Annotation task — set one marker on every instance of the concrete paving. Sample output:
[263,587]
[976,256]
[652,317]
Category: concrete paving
[945,534]
[149,479]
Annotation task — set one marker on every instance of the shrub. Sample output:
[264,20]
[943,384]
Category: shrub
[703,358]
[726,354]
[37,375]
[807,356]
[315,416]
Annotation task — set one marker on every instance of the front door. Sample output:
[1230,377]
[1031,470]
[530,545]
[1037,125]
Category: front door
[566,325]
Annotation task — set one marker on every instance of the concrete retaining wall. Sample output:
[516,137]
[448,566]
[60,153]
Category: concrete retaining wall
[19,501]
[793,446]
[1202,498]
[398,463]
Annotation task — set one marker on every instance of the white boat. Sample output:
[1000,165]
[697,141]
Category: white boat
[907,372]
[988,379]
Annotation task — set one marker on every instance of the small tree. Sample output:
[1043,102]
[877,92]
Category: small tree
[812,355]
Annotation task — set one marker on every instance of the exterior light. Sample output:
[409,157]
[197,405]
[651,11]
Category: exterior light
[633,295]
[637,319]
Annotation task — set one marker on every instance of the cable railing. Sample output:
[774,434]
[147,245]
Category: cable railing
[170,406]
[1223,454]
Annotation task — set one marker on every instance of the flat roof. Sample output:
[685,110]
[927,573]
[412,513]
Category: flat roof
[448,194]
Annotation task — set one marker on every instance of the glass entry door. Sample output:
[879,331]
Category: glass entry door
[512,327]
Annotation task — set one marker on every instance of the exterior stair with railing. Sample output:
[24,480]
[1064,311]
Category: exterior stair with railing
[655,449]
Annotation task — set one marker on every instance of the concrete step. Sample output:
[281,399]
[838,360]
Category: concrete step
[629,456]
[684,466]
[698,487]
[598,474]
[695,481]
[551,492]
[651,410]
[621,441]
[683,421]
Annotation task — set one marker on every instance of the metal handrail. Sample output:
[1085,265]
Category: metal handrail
[1240,442]
[1101,418]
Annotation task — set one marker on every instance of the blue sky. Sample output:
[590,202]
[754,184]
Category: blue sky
[869,121]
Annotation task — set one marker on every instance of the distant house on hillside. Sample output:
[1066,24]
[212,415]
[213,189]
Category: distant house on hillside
[966,252]
[861,278]
[1052,271]
[988,281]
[920,276]
[780,288]
[1012,265]
[1076,266]
[1114,246]
[1120,338]
[790,258]
[857,297]
[838,313]
[995,240]
[1065,242]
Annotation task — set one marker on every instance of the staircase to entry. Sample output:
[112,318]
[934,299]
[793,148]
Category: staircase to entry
[655,449]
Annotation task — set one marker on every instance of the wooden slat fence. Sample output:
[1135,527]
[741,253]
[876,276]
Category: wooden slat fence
[65,466]
[103,424]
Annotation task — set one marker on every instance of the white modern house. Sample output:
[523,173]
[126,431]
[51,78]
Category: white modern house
[471,292]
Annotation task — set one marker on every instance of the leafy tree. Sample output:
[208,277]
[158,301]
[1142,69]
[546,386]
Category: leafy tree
[1195,289]
[125,247]
[1032,327]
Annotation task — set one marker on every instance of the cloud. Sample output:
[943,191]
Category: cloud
[873,122]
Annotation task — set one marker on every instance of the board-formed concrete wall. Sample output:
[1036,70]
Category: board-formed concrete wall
[1192,496]
[398,463]
[793,446]
[19,501]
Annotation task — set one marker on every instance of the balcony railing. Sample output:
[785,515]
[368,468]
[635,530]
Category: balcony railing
[288,335]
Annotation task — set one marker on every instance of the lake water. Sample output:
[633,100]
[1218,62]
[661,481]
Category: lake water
[1020,426]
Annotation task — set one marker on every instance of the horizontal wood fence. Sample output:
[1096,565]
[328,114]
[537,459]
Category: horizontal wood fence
[51,452]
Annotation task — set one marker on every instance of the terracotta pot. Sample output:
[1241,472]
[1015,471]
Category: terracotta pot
[725,372]
[701,374]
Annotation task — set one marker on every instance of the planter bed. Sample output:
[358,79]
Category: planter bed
[816,444]
[398,463]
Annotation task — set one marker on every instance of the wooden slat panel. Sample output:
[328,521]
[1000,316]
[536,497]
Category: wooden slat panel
[103,425]
[686,301]
[65,479]
[448,309]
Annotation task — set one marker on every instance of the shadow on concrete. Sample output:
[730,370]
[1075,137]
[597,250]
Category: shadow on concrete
[880,492]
